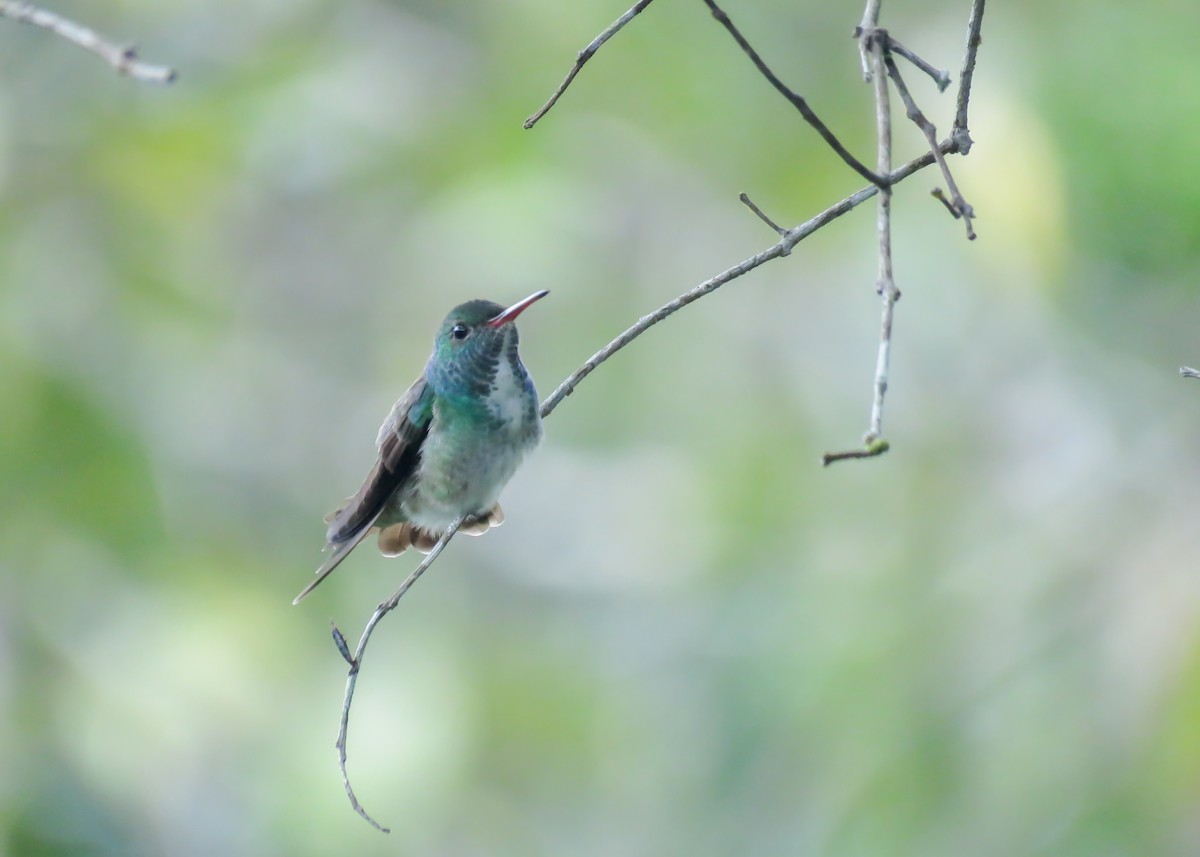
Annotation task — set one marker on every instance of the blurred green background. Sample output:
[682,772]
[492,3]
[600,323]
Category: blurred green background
[688,638]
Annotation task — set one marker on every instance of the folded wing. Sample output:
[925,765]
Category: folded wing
[399,443]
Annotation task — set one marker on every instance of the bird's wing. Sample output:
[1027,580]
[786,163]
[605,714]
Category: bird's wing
[399,444]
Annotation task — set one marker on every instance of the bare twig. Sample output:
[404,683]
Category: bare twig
[874,45]
[938,194]
[356,662]
[870,20]
[939,76]
[790,239]
[796,100]
[886,283]
[749,203]
[122,58]
[1188,372]
[793,237]
[958,206]
[585,55]
[960,135]
[876,447]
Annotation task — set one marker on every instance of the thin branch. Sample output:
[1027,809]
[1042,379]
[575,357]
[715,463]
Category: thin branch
[122,58]
[790,239]
[584,55]
[749,203]
[874,42]
[960,135]
[886,283]
[875,48]
[875,45]
[352,677]
[793,237]
[870,20]
[958,206]
[796,100]
[940,195]
[1188,372]
[876,447]
[940,77]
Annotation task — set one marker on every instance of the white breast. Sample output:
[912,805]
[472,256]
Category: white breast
[507,401]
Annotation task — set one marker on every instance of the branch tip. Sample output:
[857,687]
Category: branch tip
[940,77]
[583,56]
[122,58]
[957,205]
[749,203]
[873,449]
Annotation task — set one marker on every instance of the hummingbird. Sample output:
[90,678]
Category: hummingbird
[450,444]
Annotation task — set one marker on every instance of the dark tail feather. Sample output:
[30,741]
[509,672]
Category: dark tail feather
[340,552]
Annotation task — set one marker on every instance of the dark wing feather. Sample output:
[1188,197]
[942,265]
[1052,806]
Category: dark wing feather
[399,443]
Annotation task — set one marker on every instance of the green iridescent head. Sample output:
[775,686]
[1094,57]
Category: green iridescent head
[469,344]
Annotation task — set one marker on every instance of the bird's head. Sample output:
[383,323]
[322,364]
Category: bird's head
[470,342]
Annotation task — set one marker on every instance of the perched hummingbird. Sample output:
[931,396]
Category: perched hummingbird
[450,444]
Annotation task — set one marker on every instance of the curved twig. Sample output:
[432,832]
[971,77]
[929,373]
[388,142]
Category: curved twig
[356,662]
[585,55]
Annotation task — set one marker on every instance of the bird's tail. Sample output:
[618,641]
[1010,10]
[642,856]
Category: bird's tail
[340,551]
[397,538]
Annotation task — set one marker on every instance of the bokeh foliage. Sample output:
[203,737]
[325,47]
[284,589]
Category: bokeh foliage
[687,638]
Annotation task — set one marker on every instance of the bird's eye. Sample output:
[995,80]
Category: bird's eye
[460,331]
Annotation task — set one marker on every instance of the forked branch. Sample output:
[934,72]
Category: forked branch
[783,247]
[957,206]
[875,45]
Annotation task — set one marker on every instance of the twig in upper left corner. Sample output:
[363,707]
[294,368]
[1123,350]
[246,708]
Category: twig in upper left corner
[123,59]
